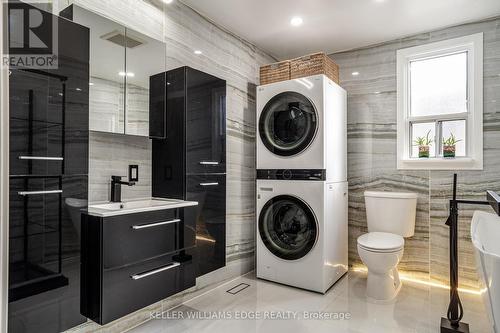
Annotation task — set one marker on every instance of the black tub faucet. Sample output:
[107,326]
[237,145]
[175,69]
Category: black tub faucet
[116,188]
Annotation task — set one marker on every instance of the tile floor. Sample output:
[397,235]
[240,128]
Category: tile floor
[279,308]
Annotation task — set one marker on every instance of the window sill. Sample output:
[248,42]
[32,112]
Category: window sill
[458,163]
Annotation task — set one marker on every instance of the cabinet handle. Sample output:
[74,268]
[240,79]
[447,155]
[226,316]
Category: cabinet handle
[209,163]
[209,184]
[154,271]
[156,224]
[43,158]
[38,192]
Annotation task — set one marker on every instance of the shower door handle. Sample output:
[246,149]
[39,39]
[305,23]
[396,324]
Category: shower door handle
[209,163]
[209,184]
[41,158]
[23,193]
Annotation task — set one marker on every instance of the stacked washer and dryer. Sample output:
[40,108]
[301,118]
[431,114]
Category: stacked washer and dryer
[302,183]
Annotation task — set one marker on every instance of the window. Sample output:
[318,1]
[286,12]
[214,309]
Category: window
[439,93]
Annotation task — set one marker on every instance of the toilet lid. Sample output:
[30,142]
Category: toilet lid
[381,241]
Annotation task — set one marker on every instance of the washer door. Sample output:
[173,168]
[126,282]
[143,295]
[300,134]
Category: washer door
[288,123]
[288,227]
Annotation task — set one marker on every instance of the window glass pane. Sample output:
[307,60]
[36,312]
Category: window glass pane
[439,85]
[457,128]
[421,131]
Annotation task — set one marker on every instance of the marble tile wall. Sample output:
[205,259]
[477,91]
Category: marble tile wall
[224,55]
[372,152]
[111,154]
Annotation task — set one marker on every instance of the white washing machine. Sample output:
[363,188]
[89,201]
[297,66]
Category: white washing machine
[301,232]
[298,122]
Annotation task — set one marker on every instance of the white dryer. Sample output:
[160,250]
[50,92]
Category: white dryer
[298,122]
[301,232]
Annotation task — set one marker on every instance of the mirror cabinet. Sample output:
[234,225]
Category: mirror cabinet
[121,63]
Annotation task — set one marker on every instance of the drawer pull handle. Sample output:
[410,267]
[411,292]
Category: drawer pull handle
[150,225]
[209,184]
[209,163]
[42,158]
[23,193]
[154,271]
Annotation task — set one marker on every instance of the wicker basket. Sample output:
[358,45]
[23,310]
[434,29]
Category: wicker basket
[276,72]
[313,64]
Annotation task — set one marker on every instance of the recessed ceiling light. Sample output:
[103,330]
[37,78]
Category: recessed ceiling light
[296,21]
[91,83]
[168,1]
[355,73]
[197,52]
[78,89]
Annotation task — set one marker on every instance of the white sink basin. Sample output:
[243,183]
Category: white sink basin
[485,230]
[136,206]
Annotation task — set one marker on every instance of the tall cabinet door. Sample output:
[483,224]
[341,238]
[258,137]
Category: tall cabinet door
[48,174]
[210,193]
[36,123]
[205,123]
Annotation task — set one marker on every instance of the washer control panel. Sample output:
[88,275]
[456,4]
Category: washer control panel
[291,174]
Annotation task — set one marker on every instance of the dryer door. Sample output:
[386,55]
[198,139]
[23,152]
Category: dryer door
[288,227]
[288,123]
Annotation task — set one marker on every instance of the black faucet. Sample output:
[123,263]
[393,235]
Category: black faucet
[116,188]
[452,322]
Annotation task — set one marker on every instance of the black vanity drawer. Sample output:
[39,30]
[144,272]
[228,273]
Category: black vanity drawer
[128,239]
[134,287]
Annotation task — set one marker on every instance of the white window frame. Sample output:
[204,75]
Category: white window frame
[473,45]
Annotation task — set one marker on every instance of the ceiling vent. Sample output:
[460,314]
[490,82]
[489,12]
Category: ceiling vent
[119,38]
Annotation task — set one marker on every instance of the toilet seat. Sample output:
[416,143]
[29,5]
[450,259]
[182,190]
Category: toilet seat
[381,242]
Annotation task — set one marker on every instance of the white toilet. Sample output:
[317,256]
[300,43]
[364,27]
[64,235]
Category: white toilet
[390,217]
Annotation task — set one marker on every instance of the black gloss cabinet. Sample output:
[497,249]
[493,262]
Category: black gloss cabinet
[48,111]
[132,261]
[190,161]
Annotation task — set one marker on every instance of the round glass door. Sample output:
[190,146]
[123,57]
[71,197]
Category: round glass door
[288,123]
[287,227]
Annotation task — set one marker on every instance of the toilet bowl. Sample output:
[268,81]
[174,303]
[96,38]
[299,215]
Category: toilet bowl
[74,207]
[390,218]
[381,252]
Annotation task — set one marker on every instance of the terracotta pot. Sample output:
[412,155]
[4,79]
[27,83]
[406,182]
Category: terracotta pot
[423,151]
[449,151]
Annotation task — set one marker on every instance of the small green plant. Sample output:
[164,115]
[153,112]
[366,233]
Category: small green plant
[450,141]
[423,140]
[449,146]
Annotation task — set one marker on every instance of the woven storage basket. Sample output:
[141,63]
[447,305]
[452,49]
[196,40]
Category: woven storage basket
[313,64]
[276,72]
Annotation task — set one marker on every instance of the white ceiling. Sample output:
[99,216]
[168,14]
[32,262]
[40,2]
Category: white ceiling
[336,25]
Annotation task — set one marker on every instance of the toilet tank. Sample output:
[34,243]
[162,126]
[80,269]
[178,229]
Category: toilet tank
[392,212]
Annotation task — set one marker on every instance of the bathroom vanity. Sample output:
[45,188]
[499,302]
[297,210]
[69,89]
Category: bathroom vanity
[135,253]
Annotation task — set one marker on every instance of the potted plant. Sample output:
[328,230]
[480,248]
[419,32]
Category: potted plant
[423,143]
[449,146]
